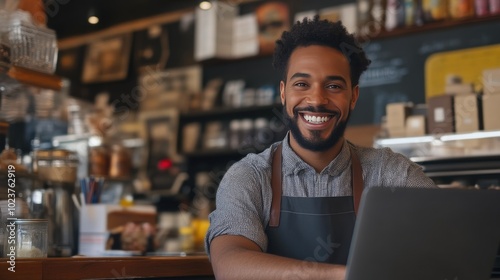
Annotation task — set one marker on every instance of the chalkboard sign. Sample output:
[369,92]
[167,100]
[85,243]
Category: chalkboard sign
[397,72]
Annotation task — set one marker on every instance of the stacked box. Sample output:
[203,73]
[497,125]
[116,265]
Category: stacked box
[491,81]
[491,99]
[440,114]
[416,125]
[491,112]
[467,109]
[396,114]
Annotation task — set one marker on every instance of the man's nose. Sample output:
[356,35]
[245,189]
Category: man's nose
[317,96]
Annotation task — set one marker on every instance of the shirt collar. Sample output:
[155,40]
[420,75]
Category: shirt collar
[293,164]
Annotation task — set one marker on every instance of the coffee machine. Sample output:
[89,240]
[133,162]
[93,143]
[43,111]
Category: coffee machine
[50,198]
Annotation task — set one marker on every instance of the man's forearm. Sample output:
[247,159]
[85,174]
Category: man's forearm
[241,263]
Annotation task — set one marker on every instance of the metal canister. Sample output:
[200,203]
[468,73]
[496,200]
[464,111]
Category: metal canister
[120,162]
[99,161]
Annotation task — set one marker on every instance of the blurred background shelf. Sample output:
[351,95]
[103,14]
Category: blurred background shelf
[36,79]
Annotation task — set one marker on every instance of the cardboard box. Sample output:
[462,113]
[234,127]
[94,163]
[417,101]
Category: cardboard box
[213,36]
[416,125]
[96,220]
[467,113]
[396,114]
[491,81]
[456,89]
[441,116]
[491,111]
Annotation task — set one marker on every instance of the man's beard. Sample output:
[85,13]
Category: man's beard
[315,143]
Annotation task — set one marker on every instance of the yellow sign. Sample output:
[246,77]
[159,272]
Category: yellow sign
[467,64]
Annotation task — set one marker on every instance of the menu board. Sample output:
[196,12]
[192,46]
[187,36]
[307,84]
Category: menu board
[467,64]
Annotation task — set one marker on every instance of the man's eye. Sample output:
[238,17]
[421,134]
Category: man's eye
[334,87]
[300,84]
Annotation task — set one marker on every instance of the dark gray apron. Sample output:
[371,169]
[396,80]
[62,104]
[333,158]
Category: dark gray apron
[315,229]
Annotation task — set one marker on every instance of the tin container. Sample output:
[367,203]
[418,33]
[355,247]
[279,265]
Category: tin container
[120,162]
[26,238]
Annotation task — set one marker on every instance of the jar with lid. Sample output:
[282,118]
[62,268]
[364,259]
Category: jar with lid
[247,133]
[57,165]
[31,237]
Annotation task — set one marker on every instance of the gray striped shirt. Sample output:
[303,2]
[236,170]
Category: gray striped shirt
[243,200]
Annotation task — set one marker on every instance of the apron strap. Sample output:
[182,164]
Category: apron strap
[274,220]
[356,178]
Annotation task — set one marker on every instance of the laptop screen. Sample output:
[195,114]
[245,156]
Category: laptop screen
[421,233]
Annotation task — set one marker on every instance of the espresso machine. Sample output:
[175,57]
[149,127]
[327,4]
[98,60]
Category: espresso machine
[50,198]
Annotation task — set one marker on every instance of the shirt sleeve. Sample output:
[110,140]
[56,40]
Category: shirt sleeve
[239,206]
[402,172]
[416,177]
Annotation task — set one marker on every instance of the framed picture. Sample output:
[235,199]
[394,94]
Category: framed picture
[173,88]
[107,60]
[159,129]
[161,161]
[151,48]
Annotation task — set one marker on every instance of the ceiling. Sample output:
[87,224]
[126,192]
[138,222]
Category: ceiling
[69,17]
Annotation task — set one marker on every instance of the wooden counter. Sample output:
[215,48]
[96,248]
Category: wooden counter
[190,267]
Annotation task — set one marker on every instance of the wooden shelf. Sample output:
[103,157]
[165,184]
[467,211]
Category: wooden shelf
[398,32]
[431,26]
[34,78]
[229,112]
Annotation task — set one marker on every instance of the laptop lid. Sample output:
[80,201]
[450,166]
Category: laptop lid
[422,233]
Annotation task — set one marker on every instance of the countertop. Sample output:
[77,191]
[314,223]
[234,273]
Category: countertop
[189,267]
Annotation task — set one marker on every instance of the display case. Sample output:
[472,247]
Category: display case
[461,159]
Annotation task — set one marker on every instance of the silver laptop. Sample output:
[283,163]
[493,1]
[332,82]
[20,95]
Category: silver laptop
[425,234]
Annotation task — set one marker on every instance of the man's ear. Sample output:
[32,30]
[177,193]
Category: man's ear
[355,95]
[282,92]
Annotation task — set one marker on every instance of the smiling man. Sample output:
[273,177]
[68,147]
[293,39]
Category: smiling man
[289,212]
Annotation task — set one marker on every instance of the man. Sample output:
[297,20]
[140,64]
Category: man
[289,212]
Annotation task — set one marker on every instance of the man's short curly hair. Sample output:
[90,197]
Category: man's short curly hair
[320,32]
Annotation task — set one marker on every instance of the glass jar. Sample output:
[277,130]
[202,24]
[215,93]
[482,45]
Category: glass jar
[56,165]
[26,238]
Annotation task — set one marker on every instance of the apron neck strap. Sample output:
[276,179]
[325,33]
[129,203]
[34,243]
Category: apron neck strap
[276,185]
[357,179]
[274,220]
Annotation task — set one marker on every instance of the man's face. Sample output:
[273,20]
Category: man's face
[317,96]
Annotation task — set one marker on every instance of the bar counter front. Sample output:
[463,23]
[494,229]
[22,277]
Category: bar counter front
[158,267]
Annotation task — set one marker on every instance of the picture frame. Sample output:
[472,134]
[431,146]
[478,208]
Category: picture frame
[161,158]
[160,129]
[173,88]
[108,59]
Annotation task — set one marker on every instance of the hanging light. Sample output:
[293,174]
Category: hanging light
[205,5]
[92,17]
[93,20]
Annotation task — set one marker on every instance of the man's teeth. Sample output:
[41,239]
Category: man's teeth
[316,119]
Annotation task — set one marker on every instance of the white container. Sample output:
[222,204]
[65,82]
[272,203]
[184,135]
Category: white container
[96,221]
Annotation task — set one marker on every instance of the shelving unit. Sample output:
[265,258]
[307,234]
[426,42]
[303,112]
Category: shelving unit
[216,161]
[225,115]
[432,26]
[37,79]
